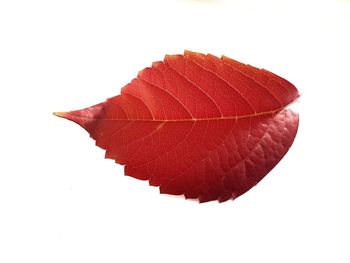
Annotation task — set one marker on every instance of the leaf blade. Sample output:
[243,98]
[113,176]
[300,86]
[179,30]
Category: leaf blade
[206,127]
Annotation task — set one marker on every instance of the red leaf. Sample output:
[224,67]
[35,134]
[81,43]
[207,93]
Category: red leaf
[206,127]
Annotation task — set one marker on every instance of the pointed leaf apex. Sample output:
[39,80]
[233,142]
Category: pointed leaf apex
[87,118]
[59,114]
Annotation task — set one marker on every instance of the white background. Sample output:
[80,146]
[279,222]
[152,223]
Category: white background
[61,201]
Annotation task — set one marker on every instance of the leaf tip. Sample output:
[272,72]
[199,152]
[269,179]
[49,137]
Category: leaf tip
[59,114]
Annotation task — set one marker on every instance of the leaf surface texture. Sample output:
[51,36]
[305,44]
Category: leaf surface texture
[196,125]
